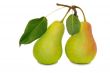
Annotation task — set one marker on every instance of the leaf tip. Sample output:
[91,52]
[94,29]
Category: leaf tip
[19,44]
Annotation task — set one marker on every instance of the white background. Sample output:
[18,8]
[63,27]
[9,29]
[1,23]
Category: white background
[14,15]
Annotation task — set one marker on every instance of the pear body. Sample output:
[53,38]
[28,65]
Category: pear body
[81,47]
[48,49]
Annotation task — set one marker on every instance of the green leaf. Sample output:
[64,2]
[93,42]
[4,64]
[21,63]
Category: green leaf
[73,24]
[34,30]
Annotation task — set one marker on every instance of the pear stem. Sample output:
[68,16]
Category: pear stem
[74,8]
[66,14]
[63,5]
[82,13]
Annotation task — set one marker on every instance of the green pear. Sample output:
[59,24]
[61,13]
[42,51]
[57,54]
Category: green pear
[81,47]
[48,49]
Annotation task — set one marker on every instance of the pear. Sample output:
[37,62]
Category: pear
[81,47]
[48,49]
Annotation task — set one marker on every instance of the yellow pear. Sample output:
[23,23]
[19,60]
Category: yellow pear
[81,47]
[48,49]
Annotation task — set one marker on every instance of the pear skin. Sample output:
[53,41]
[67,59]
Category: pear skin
[81,47]
[48,49]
